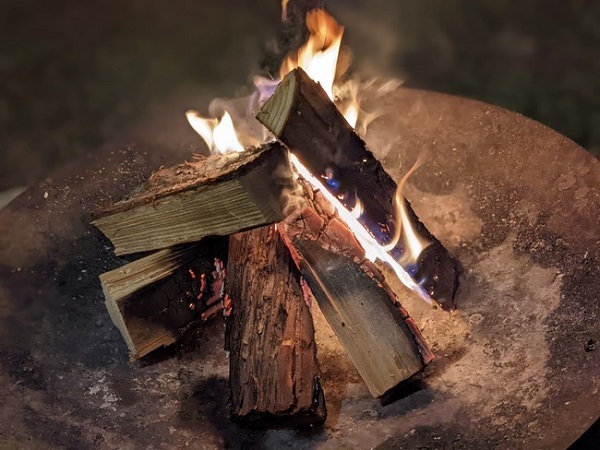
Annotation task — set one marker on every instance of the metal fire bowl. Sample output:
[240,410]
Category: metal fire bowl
[517,365]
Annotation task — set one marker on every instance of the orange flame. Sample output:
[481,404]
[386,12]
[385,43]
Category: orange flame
[318,56]
[413,243]
[284,4]
[350,107]
[219,135]
[351,112]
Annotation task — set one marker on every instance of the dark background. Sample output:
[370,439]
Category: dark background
[76,74]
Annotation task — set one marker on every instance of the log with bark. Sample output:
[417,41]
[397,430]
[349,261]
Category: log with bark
[274,373]
[218,195]
[302,116]
[149,299]
[379,336]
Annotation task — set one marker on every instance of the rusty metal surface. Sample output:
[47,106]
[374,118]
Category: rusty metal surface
[517,203]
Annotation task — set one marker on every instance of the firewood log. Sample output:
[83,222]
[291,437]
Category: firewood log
[219,195]
[153,300]
[379,336]
[274,373]
[302,116]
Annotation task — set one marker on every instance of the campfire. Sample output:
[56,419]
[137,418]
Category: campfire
[290,206]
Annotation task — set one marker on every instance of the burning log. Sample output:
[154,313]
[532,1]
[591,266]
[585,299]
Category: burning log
[274,373]
[302,116]
[380,338]
[149,299]
[219,195]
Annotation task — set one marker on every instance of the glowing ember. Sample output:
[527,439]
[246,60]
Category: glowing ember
[219,135]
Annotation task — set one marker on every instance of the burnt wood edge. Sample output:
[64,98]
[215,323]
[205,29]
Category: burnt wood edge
[314,415]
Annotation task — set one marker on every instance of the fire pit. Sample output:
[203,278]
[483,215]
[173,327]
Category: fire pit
[517,364]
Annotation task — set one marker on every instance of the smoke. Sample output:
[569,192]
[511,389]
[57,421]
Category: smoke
[242,110]
[292,194]
[371,32]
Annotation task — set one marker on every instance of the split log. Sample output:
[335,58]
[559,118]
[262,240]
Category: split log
[274,373]
[149,299]
[380,338]
[301,115]
[218,195]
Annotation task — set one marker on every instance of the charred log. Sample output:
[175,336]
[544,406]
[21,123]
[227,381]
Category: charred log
[274,373]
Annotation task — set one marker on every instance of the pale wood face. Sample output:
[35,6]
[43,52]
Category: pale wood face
[228,198]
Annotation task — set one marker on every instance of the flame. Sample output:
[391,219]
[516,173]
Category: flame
[350,104]
[220,135]
[263,89]
[358,209]
[351,112]
[373,250]
[284,4]
[413,243]
[318,56]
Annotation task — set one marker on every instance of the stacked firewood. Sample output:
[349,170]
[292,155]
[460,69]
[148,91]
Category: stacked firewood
[278,235]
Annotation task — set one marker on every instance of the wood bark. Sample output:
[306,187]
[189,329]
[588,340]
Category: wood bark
[380,338]
[274,373]
[301,115]
[215,196]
